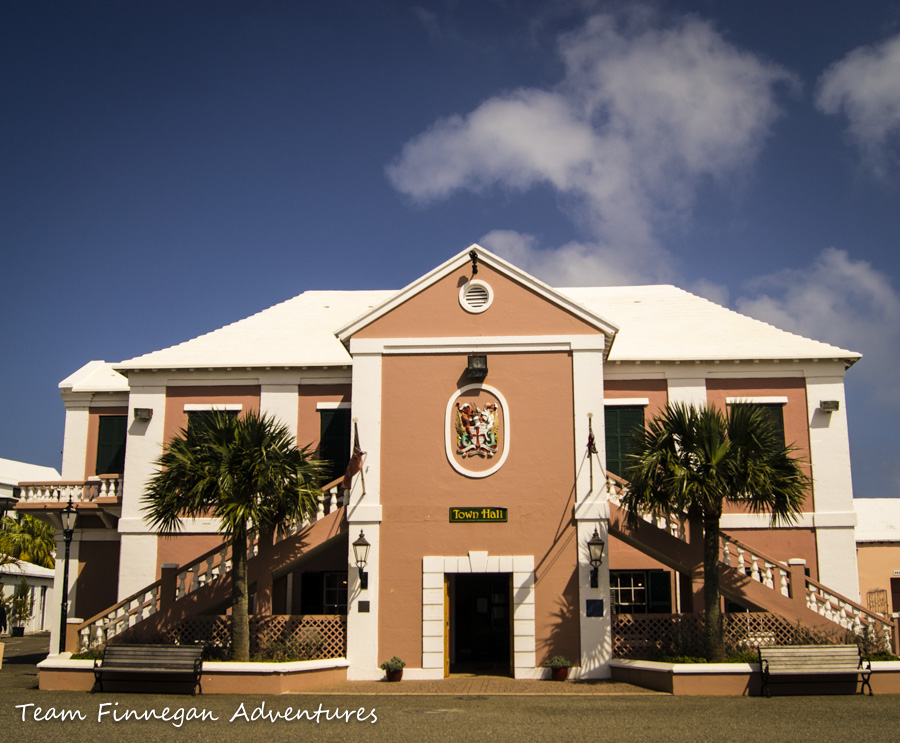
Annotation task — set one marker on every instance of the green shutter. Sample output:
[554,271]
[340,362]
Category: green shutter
[621,423]
[776,411]
[111,444]
[334,441]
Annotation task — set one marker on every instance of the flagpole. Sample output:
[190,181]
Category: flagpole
[590,448]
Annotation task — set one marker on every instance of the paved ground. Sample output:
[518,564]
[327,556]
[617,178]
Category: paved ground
[460,709]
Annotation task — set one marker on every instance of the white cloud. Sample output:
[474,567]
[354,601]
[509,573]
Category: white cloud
[865,87]
[580,263]
[842,301]
[642,117]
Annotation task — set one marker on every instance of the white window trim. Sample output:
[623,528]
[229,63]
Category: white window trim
[761,400]
[622,401]
[333,406]
[194,407]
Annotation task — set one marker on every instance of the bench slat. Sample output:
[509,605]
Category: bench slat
[170,660]
[812,660]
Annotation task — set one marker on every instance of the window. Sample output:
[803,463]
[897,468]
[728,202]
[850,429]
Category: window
[323,593]
[111,435]
[195,417]
[621,423]
[334,440]
[776,412]
[640,591]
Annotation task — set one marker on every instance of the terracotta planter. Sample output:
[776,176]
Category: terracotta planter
[559,674]
[394,675]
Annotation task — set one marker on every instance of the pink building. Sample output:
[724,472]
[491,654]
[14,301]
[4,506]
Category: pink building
[477,495]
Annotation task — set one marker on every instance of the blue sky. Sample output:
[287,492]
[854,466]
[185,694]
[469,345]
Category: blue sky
[169,167]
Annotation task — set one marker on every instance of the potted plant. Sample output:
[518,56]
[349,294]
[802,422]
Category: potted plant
[393,668]
[22,608]
[559,667]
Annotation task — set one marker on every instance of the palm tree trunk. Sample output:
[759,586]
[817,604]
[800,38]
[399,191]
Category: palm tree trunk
[712,600]
[240,618]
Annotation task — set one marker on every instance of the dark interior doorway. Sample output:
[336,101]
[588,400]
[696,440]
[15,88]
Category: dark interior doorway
[481,623]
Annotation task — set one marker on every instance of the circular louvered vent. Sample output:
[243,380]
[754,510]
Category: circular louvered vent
[476,296]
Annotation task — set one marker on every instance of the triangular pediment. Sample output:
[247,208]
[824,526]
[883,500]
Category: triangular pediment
[474,294]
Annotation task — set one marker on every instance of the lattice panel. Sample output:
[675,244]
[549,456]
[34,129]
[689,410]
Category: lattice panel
[303,637]
[649,636]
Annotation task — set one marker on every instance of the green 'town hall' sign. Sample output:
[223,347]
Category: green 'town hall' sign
[478,515]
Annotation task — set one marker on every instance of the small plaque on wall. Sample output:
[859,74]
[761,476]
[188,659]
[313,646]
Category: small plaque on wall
[478,515]
[594,607]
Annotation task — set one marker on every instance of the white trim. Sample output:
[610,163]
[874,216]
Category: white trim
[487,259]
[333,406]
[435,567]
[621,401]
[759,399]
[485,344]
[195,407]
[464,296]
[450,445]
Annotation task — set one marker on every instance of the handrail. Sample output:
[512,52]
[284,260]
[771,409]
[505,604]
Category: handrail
[189,578]
[770,572]
[80,491]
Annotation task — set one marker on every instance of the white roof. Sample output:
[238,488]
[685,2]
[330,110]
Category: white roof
[877,519]
[28,569]
[13,472]
[298,332]
[95,376]
[656,323]
[663,323]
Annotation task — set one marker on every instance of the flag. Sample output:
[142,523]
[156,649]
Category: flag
[355,463]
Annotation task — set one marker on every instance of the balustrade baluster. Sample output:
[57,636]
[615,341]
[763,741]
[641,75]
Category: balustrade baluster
[783,574]
[770,581]
[754,568]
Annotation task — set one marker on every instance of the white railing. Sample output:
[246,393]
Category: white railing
[673,524]
[190,577]
[772,574]
[80,491]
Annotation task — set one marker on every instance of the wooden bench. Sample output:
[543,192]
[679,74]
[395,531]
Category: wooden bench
[164,662]
[812,660]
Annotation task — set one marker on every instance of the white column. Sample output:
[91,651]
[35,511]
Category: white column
[137,557]
[75,436]
[281,401]
[364,512]
[592,507]
[687,390]
[834,517]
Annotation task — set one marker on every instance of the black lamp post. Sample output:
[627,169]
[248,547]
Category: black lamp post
[595,555]
[68,516]
[361,555]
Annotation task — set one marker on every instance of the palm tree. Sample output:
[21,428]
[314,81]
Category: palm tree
[695,460]
[26,538]
[248,473]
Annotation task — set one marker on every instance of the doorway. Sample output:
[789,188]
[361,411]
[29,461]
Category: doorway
[480,619]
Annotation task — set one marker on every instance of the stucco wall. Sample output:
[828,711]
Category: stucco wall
[419,486]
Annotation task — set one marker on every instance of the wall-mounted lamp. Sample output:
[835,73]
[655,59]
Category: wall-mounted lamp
[361,555]
[143,414]
[595,555]
[830,406]
[477,367]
